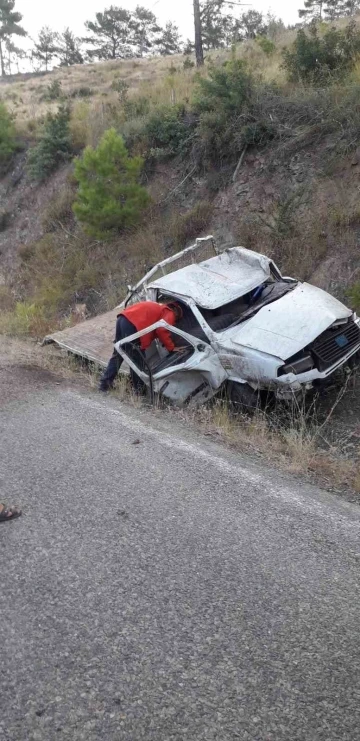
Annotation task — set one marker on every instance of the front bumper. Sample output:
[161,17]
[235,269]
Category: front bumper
[291,383]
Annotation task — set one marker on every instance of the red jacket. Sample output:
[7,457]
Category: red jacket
[146,313]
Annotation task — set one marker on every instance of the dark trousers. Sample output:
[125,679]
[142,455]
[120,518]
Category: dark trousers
[124,328]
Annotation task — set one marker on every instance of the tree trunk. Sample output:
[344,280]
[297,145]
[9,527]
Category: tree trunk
[3,71]
[198,35]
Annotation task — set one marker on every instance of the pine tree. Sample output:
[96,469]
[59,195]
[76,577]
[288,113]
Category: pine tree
[145,30]
[274,26]
[169,41]
[12,55]
[215,25]
[109,197]
[45,48]
[110,34]
[54,147]
[350,7]
[333,9]
[313,10]
[9,26]
[68,49]
[7,137]
[252,24]
[189,47]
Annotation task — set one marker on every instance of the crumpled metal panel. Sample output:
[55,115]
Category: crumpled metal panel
[289,324]
[220,280]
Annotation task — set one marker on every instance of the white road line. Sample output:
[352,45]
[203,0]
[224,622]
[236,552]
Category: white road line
[235,471]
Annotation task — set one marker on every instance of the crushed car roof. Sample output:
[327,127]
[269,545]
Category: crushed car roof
[219,280]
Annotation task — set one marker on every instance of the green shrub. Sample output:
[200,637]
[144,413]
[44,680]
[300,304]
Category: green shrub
[54,147]
[319,59]
[7,137]
[53,91]
[25,319]
[109,196]
[266,45]
[188,64]
[82,92]
[137,107]
[166,129]
[231,114]
[121,87]
[227,90]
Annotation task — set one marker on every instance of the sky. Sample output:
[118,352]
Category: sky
[73,13]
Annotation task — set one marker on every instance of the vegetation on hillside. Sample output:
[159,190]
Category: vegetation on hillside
[254,98]
[322,59]
[7,138]
[54,146]
[141,156]
[109,197]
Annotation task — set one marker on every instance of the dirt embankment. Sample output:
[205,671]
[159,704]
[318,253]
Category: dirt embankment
[299,206]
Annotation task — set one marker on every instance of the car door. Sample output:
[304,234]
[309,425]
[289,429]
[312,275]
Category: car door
[195,373]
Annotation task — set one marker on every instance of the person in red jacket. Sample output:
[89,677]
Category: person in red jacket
[134,319]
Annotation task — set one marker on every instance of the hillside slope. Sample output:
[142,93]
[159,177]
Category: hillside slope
[295,196]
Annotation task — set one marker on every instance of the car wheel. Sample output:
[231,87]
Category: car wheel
[243,397]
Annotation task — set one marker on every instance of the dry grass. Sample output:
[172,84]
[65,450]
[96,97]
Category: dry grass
[162,80]
[59,209]
[65,268]
[292,444]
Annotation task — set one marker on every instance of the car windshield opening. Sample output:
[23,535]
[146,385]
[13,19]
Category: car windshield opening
[242,308]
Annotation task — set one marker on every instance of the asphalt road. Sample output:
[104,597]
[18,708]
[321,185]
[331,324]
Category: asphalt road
[160,587]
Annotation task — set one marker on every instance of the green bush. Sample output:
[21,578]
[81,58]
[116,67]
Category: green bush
[82,92]
[268,46]
[231,113]
[167,129]
[137,107]
[319,59]
[7,137]
[227,90]
[53,91]
[188,64]
[25,319]
[54,147]
[109,196]
[121,87]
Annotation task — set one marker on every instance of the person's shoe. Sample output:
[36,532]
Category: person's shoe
[105,386]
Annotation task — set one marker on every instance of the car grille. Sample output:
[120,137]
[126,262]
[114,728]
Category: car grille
[334,344]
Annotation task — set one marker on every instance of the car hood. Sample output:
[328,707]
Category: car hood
[287,325]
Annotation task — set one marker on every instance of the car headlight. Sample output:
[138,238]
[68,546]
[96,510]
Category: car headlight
[298,365]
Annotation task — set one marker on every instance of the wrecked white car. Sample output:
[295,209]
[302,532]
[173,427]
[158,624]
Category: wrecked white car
[243,325]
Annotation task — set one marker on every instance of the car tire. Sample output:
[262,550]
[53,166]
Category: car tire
[243,397]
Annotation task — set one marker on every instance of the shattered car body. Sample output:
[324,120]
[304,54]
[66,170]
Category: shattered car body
[244,325]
